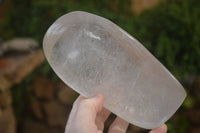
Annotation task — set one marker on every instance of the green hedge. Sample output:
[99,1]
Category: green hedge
[171,32]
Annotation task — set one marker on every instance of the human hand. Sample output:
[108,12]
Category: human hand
[88,116]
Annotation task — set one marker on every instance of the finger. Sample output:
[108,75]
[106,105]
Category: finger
[103,115]
[101,118]
[88,109]
[161,129]
[77,102]
[75,106]
[73,111]
[118,126]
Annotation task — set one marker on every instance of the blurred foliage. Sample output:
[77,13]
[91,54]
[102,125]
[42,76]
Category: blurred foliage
[171,31]
[180,127]
[33,17]
[189,102]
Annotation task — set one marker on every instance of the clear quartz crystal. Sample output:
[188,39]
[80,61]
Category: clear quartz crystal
[94,56]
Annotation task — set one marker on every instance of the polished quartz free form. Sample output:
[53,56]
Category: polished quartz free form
[94,56]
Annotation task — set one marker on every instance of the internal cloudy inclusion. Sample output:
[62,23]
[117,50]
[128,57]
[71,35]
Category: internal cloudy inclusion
[92,55]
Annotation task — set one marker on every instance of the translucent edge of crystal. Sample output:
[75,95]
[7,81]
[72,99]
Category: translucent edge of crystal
[137,123]
[149,126]
[131,121]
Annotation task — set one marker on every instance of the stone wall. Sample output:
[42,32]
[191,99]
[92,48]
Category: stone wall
[14,66]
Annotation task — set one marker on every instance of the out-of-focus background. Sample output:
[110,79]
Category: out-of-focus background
[32,97]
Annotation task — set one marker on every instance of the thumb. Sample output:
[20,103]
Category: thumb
[88,108]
